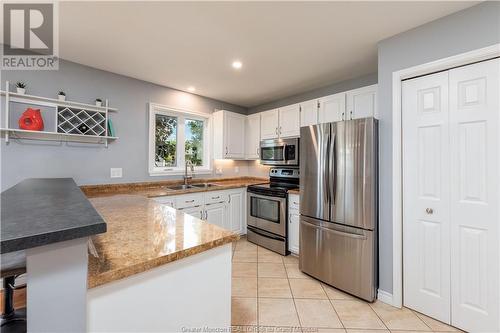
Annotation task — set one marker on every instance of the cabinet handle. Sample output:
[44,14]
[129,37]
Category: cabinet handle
[351,114]
[226,150]
[429,211]
[189,201]
[295,203]
[258,152]
[342,117]
[280,129]
[276,131]
[217,197]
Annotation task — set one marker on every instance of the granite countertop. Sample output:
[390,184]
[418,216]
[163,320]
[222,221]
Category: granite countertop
[41,211]
[160,189]
[143,234]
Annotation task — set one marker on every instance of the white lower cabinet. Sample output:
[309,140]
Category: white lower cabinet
[226,208]
[237,210]
[293,223]
[193,211]
[217,214]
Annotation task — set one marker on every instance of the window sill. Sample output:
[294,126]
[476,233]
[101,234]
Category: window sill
[179,172]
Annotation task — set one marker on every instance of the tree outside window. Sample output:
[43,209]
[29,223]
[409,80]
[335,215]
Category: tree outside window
[165,141]
[194,141]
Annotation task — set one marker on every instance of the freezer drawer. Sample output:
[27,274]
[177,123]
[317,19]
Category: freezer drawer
[341,256]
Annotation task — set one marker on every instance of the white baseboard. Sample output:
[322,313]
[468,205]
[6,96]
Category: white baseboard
[384,297]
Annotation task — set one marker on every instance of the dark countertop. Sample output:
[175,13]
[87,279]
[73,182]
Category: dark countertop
[41,211]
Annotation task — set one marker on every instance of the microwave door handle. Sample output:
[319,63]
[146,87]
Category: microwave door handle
[284,152]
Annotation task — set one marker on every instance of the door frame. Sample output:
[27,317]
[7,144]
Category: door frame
[397,163]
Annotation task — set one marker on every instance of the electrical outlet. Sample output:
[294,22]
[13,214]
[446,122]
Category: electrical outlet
[218,171]
[116,172]
[236,169]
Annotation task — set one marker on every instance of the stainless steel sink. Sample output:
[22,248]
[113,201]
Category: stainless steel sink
[179,187]
[204,185]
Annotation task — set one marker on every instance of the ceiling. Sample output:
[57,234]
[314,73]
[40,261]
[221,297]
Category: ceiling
[285,47]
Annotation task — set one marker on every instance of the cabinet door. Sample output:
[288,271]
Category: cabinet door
[252,140]
[309,113]
[237,212]
[193,211]
[234,135]
[269,122]
[217,214]
[169,201]
[331,108]
[293,231]
[362,103]
[289,120]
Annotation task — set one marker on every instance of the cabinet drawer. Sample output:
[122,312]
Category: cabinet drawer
[189,200]
[293,202]
[216,196]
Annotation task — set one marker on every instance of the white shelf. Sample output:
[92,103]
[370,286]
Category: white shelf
[67,117]
[23,98]
[44,135]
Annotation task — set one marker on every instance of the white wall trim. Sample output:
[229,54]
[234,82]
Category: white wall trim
[397,181]
[385,297]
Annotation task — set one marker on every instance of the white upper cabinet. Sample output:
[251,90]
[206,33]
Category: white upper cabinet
[252,141]
[309,113]
[269,124]
[331,108]
[229,135]
[289,121]
[362,103]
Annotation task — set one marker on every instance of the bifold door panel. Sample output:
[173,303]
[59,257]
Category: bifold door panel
[451,188]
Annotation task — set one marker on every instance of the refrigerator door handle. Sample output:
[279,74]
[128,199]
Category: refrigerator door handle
[326,167]
[334,173]
[340,233]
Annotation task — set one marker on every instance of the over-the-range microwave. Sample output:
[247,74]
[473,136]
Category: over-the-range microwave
[280,152]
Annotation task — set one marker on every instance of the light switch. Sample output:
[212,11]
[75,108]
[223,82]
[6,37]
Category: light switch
[236,169]
[116,172]
[218,171]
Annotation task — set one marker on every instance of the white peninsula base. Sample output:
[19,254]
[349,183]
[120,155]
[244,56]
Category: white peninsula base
[185,295]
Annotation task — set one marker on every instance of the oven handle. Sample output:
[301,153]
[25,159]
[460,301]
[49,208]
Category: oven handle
[263,196]
[262,234]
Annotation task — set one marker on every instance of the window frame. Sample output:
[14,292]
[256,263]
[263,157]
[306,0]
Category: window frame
[181,116]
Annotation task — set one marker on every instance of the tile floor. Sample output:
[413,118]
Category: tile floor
[271,294]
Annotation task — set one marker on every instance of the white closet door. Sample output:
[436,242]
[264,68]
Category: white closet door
[426,226]
[474,126]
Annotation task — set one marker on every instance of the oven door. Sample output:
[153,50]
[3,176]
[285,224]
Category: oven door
[279,152]
[267,213]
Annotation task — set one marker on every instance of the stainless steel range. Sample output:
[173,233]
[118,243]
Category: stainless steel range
[267,209]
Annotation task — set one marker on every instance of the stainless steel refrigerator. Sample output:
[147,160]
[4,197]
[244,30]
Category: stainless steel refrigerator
[339,205]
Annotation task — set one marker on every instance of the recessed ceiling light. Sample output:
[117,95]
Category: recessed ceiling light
[237,64]
[191,89]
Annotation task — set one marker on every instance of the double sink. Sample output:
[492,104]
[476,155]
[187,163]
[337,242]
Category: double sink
[185,187]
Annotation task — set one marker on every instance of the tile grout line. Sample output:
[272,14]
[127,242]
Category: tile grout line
[383,322]
[333,306]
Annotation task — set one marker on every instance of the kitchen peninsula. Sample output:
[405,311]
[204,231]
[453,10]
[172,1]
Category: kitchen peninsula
[157,268]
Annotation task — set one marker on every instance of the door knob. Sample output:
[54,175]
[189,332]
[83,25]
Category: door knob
[429,211]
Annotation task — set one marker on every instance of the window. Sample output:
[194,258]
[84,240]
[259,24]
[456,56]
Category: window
[177,136]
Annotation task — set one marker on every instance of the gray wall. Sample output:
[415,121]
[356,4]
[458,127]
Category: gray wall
[470,29]
[320,92]
[90,164]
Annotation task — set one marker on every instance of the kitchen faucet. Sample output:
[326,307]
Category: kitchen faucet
[186,177]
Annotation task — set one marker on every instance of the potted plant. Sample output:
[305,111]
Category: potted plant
[61,96]
[98,102]
[21,87]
